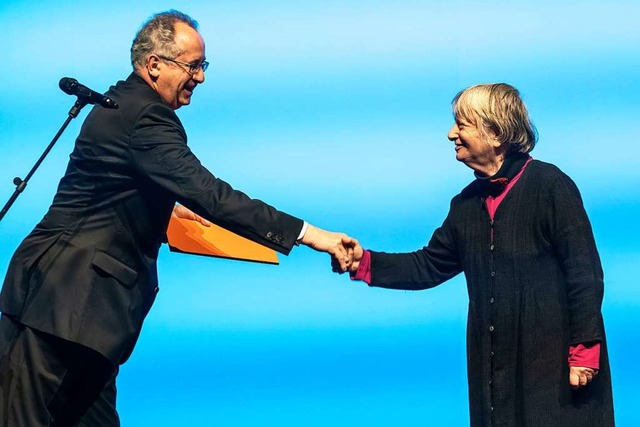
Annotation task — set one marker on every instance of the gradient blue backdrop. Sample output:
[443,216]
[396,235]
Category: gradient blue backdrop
[337,112]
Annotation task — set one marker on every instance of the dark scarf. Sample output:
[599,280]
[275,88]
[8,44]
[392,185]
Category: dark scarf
[494,185]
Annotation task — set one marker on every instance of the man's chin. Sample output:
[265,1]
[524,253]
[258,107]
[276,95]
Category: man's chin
[184,101]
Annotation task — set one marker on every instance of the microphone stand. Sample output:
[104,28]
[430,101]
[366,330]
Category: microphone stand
[21,184]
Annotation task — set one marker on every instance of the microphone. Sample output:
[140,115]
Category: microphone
[71,86]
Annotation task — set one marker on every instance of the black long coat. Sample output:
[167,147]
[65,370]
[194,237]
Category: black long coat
[87,272]
[535,289]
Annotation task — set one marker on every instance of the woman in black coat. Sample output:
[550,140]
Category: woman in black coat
[536,347]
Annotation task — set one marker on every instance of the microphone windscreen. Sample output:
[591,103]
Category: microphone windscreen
[67,84]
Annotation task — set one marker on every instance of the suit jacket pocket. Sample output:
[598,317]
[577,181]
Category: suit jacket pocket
[115,268]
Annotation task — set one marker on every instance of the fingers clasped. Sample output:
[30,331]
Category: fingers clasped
[342,259]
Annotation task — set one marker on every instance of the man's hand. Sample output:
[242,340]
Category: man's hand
[356,256]
[338,245]
[182,212]
[580,377]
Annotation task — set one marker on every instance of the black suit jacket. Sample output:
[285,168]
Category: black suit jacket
[87,272]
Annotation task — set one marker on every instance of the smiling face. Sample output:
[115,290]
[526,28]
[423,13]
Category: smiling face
[173,81]
[481,151]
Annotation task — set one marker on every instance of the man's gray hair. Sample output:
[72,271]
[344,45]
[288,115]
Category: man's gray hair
[497,108]
[157,35]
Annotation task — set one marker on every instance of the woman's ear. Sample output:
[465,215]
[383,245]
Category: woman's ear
[495,142]
[493,139]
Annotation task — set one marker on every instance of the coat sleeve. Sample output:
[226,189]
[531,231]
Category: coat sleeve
[574,244]
[422,269]
[160,155]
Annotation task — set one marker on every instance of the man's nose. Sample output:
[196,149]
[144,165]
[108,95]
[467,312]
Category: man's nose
[199,76]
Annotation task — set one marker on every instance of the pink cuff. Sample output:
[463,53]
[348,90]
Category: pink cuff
[586,356]
[364,269]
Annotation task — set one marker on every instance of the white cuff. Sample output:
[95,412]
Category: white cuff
[305,225]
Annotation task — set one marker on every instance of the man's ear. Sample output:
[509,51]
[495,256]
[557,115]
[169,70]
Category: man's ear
[153,66]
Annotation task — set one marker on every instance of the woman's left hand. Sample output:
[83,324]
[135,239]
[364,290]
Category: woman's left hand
[580,377]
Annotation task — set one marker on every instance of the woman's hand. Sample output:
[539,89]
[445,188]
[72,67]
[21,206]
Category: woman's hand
[580,377]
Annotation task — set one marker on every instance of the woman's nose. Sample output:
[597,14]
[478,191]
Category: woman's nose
[453,133]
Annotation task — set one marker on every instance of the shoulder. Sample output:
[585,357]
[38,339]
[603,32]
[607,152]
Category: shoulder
[551,183]
[548,174]
[468,198]
[135,96]
[545,170]
[142,106]
[470,191]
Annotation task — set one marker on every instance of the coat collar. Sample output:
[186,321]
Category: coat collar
[494,185]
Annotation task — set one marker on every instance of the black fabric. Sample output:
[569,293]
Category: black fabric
[535,289]
[87,272]
[47,381]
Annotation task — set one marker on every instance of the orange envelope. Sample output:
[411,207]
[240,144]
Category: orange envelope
[194,238]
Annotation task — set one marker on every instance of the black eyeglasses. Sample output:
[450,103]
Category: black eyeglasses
[191,68]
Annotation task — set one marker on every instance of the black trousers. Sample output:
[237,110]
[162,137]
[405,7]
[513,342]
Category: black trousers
[48,381]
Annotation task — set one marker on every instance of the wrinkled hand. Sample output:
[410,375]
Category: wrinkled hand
[338,245]
[580,377]
[182,212]
[356,256]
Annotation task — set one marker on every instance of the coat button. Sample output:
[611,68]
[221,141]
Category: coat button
[491,354]
[491,328]
[491,300]
[156,290]
[493,274]
[492,247]
[269,234]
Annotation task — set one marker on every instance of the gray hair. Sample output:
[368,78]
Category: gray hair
[157,35]
[499,109]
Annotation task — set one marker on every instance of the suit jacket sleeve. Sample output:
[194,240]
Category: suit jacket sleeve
[161,156]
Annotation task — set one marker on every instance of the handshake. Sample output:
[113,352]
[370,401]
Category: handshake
[345,251]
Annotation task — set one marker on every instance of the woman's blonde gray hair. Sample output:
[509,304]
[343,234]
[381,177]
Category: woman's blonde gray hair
[497,109]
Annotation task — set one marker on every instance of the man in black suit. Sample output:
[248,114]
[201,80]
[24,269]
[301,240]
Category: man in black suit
[80,285]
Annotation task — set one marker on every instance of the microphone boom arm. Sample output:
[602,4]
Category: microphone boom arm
[20,183]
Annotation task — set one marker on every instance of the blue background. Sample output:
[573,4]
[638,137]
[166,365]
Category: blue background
[337,112]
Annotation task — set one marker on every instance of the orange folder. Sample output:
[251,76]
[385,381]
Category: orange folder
[191,237]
